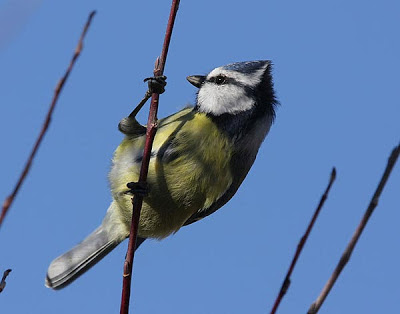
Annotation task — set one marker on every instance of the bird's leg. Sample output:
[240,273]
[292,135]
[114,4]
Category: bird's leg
[129,125]
[156,84]
[140,188]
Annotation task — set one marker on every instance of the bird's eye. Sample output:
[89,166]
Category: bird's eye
[220,79]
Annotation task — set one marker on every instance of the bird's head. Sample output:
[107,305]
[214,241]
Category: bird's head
[236,88]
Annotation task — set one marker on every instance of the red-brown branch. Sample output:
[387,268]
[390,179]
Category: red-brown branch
[286,282]
[150,133]
[314,308]
[9,200]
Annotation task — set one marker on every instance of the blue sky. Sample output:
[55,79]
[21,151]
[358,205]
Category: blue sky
[336,71]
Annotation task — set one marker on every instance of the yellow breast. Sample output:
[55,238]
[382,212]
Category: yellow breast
[189,170]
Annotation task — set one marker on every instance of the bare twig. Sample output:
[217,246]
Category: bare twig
[3,280]
[314,308]
[286,282]
[9,200]
[137,200]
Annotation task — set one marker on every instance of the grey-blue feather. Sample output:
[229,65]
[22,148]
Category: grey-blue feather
[69,266]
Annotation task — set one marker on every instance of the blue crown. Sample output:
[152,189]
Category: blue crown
[247,66]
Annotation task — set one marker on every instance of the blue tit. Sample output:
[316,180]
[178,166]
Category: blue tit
[199,158]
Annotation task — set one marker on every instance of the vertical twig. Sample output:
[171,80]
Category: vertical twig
[286,282]
[9,200]
[137,200]
[314,308]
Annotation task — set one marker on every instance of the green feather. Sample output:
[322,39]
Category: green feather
[192,181]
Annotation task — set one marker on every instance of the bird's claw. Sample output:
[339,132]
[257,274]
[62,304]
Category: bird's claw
[156,84]
[138,188]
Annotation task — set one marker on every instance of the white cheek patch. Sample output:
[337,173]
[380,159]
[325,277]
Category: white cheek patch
[228,98]
[219,99]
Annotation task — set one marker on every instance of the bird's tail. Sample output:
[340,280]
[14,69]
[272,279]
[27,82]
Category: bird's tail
[69,266]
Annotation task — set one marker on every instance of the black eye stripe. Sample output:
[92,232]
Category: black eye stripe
[228,80]
[249,91]
[219,79]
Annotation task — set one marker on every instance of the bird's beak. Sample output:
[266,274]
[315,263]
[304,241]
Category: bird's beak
[196,80]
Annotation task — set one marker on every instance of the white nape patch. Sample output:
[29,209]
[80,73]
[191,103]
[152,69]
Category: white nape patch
[228,98]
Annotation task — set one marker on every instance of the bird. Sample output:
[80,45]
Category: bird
[200,156]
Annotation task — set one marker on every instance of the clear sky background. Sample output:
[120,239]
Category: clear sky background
[336,71]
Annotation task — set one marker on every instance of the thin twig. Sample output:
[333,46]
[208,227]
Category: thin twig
[3,280]
[9,200]
[286,282]
[314,308]
[137,200]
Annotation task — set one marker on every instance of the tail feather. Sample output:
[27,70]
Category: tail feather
[69,266]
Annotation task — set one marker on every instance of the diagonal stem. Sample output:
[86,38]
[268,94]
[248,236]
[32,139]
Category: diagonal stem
[286,281]
[3,279]
[137,200]
[314,308]
[9,200]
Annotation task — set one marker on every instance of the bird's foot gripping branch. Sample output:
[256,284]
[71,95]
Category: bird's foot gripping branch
[138,188]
